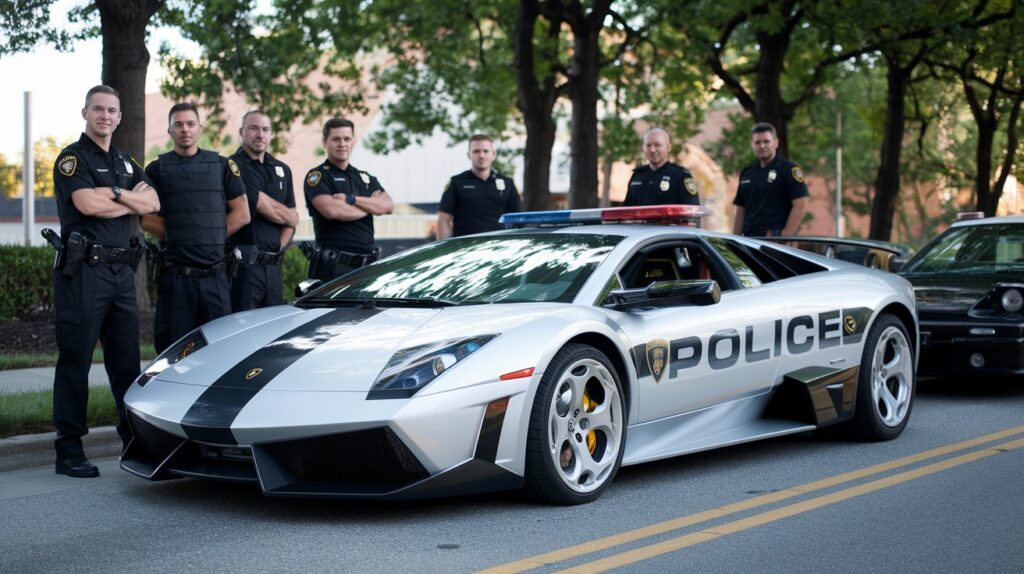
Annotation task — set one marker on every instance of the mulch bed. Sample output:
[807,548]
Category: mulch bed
[35,334]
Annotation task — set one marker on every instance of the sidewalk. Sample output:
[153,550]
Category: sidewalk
[37,449]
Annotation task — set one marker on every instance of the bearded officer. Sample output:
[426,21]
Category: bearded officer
[99,190]
[202,201]
[342,202]
[660,181]
[771,197]
[261,243]
[474,199]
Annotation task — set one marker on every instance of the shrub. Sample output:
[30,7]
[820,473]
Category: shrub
[294,271]
[26,281]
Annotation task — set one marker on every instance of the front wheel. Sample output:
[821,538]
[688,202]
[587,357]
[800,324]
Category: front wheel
[577,428]
[885,384]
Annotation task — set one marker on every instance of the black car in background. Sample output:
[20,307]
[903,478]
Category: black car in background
[969,286]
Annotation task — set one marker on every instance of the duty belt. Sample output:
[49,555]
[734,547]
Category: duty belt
[190,271]
[268,258]
[330,255]
[97,254]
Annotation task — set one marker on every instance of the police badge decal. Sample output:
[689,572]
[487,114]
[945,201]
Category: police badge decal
[67,165]
[657,353]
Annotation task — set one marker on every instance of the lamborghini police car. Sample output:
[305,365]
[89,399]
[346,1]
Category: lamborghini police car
[544,356]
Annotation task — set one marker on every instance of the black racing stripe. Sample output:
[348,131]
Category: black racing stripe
[490,430]
[209,419]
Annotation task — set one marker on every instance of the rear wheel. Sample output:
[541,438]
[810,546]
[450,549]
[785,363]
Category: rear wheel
[885,384]
[577,428]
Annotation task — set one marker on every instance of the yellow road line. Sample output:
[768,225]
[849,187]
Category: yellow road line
[653,550]
[607,542]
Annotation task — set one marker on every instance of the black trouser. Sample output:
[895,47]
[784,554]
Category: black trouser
[256,286]
[185,302]
[97,303]
[330,271]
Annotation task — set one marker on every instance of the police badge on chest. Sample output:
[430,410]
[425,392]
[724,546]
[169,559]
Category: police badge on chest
[771,175]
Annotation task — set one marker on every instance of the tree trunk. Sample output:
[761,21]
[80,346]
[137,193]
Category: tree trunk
[125,61]
[1012,142]
[983,160]
[536,100]
[585,74]
[768,104]
[887,183]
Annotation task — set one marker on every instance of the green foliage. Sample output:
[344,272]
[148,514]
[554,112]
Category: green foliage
[293,271]
[45,153]
[28,412]
[26,283]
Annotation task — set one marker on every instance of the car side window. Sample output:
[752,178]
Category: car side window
[748,278]
[684,261]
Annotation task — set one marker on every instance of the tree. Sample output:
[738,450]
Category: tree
[989,66]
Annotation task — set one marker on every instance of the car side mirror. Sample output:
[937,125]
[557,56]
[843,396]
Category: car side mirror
[667,294]
[306,286]
[897,263]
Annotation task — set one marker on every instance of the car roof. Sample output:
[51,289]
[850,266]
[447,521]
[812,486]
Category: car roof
[1017,219]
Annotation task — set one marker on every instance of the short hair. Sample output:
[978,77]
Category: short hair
[101,89]
[335,123]
[655,130]
[480,138]
[762,127]
[245,116]
[182,107]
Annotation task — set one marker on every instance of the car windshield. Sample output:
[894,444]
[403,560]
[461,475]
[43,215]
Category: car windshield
[996,248]
[474,270]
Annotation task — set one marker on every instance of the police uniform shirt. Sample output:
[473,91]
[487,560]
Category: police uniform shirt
[476,204]
[84,165]
[766,194]
[328,179]
[274,178]
[669,184]
[198,255]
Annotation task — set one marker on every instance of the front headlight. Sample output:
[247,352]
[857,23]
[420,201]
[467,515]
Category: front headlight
[409,370]
[184,347]
[1012,300]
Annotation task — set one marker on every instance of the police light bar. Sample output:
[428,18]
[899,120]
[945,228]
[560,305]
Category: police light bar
[662,214]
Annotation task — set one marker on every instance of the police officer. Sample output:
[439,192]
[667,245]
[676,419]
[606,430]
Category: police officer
[99,190]
[474,199]
[202,201]
[261,243]
[342,202]
[772,196]
[660,181]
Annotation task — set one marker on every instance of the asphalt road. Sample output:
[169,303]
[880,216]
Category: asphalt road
[797,504]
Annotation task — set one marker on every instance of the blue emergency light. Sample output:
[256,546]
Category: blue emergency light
[661,214]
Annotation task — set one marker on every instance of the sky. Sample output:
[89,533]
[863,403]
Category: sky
[58,82]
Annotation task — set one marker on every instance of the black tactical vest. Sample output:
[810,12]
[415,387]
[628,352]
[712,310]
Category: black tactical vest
[192,199]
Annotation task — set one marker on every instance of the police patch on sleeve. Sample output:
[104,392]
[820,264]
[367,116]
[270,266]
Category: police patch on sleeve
[234,168]
[798,174]
[67,164]
[313,178]
[691,185]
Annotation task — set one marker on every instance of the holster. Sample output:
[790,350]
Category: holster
[76,248]
[312,253]
[233,260]
[154,261]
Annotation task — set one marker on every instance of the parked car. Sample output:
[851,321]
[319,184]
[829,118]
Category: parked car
[969,284]
[544,356]
[881,255]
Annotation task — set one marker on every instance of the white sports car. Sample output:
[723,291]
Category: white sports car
[545,356]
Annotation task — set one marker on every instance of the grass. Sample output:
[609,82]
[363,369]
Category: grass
[29,360]
[27,412]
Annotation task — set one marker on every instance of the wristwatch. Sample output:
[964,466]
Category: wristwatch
[350,199]
[117,193]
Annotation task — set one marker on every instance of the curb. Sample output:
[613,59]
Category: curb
[31,450]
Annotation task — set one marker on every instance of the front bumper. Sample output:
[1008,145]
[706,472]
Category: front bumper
[369,463]
[948,348]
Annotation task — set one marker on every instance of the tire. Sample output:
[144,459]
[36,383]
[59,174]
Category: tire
[577,428]
[885,384]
